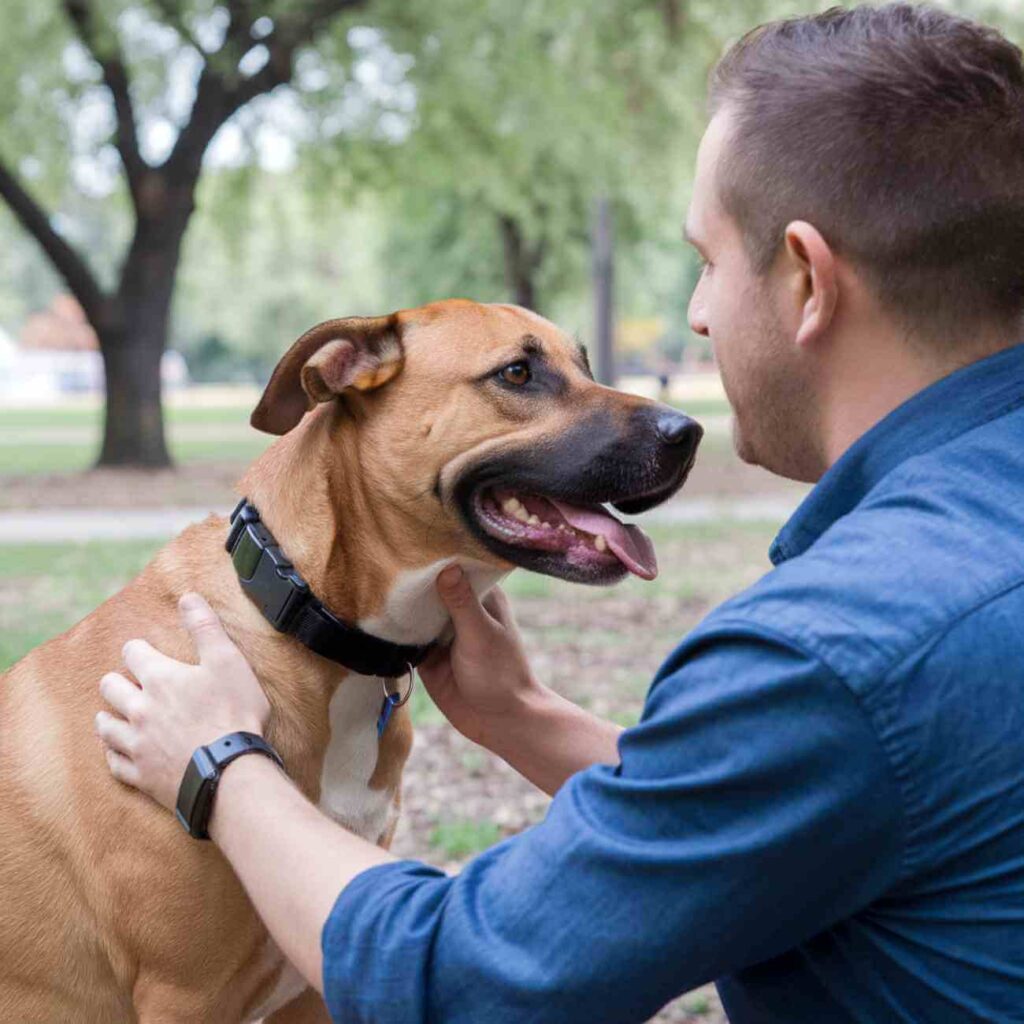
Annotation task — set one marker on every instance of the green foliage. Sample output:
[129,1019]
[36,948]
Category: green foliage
[531,112]
[377,179]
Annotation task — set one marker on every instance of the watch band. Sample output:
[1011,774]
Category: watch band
[199,783]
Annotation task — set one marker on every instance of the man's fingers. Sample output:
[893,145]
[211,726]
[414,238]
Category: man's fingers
[121,694]
[122,768]
[462,603]
[115,732]
[144,661]
[435,658]
[496,603]
[205,628]
[435,668]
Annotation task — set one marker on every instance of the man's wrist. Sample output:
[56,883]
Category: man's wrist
[242,776]
[551,738]
[205,771]
[533,705]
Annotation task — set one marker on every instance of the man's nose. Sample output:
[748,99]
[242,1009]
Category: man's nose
[677,429]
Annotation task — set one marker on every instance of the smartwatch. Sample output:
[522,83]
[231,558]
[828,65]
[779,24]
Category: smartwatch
[199,783]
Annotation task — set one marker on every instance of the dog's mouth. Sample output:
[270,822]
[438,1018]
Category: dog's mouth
[589,541]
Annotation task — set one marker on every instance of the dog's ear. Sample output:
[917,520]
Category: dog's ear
[359,353]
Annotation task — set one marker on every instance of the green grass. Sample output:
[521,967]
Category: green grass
[27,419]
[47,588]
[458,839]
[69,458]
[37,454]
[698,1004]
[698,407]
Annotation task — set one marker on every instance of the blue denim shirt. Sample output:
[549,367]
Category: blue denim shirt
[822,806]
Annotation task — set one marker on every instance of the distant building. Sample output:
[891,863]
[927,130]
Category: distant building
[58,355]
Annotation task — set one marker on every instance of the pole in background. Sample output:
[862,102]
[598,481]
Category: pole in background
[604,279]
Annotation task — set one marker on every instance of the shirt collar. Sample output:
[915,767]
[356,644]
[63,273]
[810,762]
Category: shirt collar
[967,398]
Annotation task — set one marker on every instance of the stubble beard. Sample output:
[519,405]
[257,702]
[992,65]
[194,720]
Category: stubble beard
[774,418]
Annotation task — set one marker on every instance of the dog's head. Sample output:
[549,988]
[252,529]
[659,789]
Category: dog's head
[481,428]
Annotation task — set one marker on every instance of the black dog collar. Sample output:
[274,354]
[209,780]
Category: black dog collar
[283,596]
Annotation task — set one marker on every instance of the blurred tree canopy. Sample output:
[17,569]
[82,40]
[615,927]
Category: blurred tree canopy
[258,165]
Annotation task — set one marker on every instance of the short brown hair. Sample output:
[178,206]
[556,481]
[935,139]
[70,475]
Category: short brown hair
[898,131]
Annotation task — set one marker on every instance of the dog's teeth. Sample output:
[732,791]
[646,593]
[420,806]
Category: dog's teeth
[534,520]
[509,505]
[600,543]
[521,514]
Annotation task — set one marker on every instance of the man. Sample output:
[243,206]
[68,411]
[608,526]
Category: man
[823,805]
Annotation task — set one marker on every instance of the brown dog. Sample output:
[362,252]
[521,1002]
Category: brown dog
[452,433]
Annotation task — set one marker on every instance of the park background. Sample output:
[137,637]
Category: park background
[188,185]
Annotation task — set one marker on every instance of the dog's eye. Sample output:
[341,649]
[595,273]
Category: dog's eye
[516,373]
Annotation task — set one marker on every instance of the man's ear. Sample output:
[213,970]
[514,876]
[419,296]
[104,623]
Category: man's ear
[814,280]
[359,353]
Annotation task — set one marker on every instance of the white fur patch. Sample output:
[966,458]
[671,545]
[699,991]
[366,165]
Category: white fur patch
[351,757]
[413,613]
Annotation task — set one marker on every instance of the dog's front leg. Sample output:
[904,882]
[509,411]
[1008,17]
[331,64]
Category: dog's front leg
[309,1008]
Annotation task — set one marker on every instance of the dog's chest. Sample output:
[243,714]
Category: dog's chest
[351,758]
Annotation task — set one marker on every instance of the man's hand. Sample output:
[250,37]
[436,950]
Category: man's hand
[484,686]
[177,707]
[484,678]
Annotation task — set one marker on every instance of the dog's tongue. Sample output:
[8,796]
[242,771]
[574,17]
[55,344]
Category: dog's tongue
[630,545]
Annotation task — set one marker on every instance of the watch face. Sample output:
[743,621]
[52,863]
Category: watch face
[196,792]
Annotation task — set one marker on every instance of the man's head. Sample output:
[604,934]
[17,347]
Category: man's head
[862,175]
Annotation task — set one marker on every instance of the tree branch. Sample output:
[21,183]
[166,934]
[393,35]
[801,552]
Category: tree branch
[66,260]
[238,33]
[172,14]
[221,93]
[107,54]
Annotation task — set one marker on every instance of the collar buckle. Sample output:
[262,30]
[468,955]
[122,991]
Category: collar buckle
[267,576]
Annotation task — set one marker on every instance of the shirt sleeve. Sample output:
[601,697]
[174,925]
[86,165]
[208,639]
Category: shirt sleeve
[752,808]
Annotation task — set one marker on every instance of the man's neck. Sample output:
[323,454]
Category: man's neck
[867,379]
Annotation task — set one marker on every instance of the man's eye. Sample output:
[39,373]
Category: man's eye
[515,373]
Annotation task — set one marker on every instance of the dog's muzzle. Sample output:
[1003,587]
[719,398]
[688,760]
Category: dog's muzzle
[545,508]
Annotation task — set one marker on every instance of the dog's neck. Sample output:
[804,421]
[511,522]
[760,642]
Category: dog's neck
[330,527]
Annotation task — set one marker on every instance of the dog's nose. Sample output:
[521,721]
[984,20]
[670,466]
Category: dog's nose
[676,428]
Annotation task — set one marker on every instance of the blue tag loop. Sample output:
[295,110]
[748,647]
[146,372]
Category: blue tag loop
[392,701]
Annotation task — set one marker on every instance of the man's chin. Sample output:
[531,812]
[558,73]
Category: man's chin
[745,451]
[790,462]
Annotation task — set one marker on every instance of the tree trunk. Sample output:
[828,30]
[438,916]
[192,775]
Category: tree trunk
[134,341]
[520,267]
[133,429]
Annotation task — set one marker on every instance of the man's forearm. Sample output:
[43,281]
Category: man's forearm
[292,860]
[552,738]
